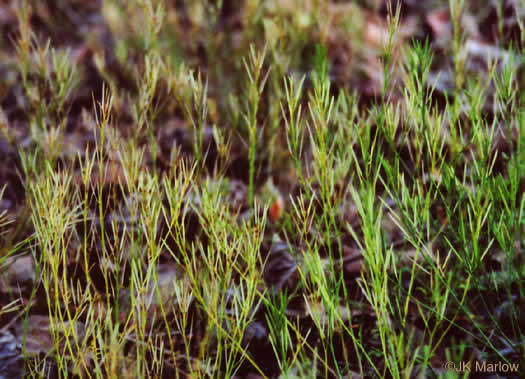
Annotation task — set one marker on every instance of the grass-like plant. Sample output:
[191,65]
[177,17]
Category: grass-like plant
[209,190]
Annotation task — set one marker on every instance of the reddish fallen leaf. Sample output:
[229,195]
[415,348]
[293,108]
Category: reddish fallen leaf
[439,22]
[276,209]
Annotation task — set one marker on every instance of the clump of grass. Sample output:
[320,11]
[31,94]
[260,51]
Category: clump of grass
[256,83]
[403,210]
